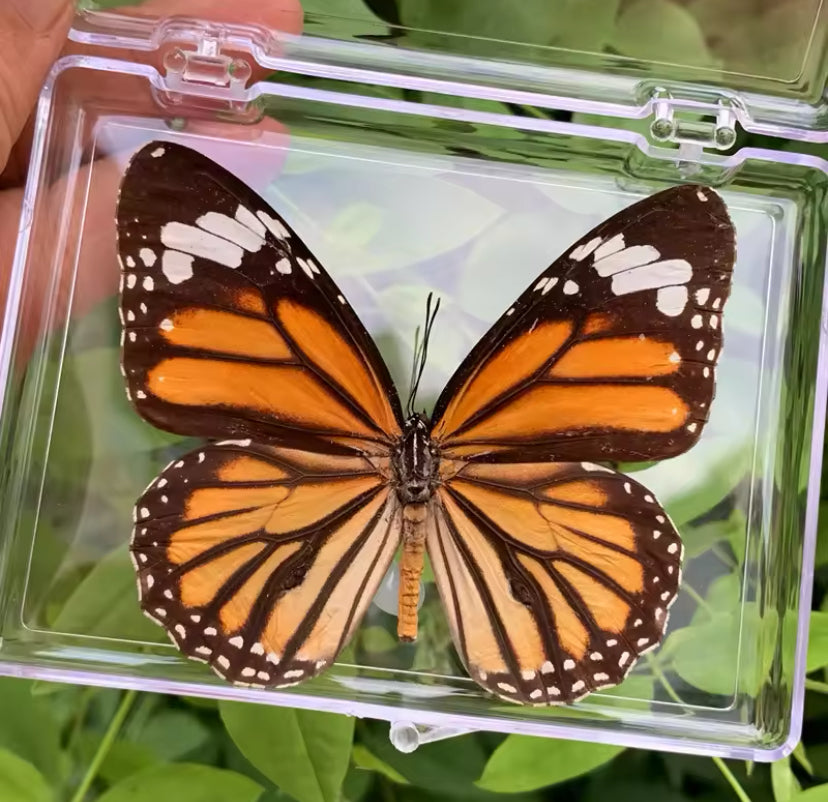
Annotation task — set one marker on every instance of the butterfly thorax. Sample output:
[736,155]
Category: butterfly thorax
[416,462]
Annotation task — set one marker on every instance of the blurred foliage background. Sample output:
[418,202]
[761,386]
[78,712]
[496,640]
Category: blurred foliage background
[75,744]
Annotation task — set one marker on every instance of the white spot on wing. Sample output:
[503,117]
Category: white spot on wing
[570,288]
[671,301]
[166,324]
[582,251]
[308,266]
[148,284]
[702,295]
[148,256]
[158,152]
[652,276]
[131,280]
[550,284]
[195,241]
[232,230]
[611,246]
[591,466]
[274,227]
[177,266]
[504,686]
[624,259]
[283,266]
[247,218]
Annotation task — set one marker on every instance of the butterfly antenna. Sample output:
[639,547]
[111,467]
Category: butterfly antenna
[421,351]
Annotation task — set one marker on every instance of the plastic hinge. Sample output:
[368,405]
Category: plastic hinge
[207,66]
[407,736]
[694,123]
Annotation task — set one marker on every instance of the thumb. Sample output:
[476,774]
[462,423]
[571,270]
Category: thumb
[32,33]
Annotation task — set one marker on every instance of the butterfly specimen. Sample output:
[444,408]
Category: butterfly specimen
[260,551]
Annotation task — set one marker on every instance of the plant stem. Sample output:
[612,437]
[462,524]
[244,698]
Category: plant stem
[654,665]
[80,716]
[105,745]
[697,597]
[731,778]
[816,685]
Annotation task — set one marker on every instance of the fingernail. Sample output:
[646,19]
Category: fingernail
[40,15]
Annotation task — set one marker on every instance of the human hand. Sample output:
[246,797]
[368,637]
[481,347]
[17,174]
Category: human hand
[33,34]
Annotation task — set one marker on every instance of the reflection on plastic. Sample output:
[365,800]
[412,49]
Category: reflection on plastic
[388,592]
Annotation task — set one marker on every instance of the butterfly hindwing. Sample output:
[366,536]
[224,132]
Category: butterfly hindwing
[555,577]
[231,327]
[611,353]
[261,561]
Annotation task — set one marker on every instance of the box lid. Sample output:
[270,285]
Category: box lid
[765,59]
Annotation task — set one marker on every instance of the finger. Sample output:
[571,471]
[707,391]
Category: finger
[32,33]
[278,15]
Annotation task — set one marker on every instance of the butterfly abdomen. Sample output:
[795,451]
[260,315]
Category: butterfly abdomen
[411,568]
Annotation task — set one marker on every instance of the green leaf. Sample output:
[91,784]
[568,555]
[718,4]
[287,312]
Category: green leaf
[106,604]
[817,641]
[802,758]
[819,793]
[821,556]
[785,785]
[174,734]
[304,752]
[186,782]
[20,781]
[659,30]
[377,639]
[585,24]
[28,728]
[364,758]
[523,763]
[123,759]
[718,670]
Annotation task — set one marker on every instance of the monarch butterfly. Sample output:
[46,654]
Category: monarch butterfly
[260,552]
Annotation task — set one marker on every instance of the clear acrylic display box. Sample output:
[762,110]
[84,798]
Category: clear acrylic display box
[443,187]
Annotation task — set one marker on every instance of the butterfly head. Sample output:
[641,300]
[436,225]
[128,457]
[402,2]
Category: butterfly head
[416,461]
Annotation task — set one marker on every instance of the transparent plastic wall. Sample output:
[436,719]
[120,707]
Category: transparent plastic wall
[417,199]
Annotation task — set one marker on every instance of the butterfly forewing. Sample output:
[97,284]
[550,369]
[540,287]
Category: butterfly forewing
[231,327]
[555,576]
[261,561]
[610,353]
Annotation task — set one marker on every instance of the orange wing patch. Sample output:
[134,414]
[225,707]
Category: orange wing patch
[546,410]
[617,357]
[288,392]
[331,353]
[518,361]
[218,332]
[478,557]
[556,576]
[263,560]
[235,613]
